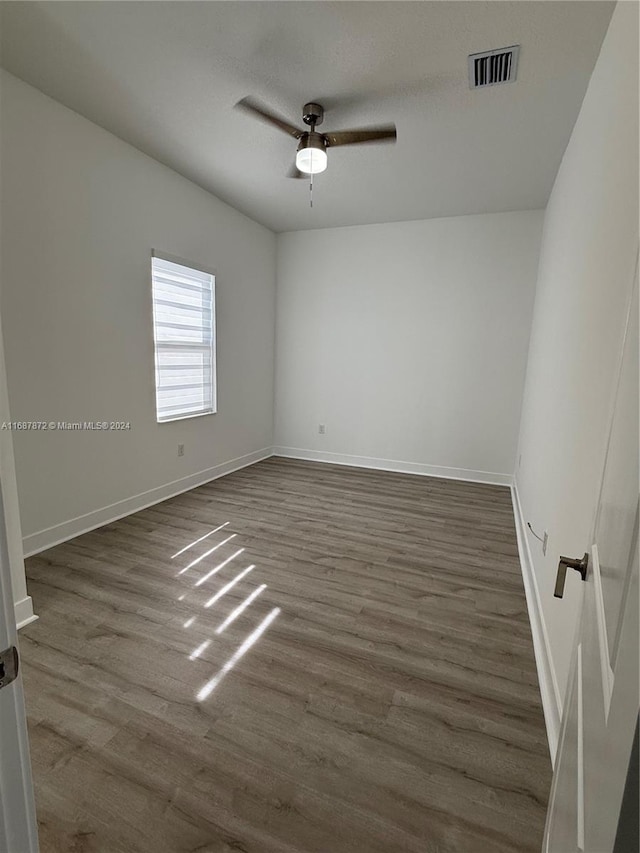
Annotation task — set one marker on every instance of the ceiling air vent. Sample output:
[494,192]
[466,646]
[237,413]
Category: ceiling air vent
[493,67]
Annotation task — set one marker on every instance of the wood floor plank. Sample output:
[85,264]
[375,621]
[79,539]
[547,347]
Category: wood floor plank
[377,693]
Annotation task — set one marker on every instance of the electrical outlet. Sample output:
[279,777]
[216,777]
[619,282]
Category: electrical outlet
[545,540]
[322,429]
[181,450]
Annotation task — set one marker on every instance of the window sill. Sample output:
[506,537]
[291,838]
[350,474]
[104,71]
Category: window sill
[186,417]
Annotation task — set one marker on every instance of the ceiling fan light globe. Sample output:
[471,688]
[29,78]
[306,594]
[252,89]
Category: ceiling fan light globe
[311,160]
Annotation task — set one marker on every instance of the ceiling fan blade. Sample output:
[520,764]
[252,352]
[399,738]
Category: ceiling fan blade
[356,137]
[254,108]
[294,172]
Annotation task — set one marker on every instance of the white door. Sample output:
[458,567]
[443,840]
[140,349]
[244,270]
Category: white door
[18,833]
[18,829]
[601,709]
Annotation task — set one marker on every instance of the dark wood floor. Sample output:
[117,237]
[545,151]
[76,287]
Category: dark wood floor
[379,695]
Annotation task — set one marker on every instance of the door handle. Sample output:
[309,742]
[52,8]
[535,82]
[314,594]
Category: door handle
[9,664]
[569,563]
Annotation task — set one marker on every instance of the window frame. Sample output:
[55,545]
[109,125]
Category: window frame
[199,268]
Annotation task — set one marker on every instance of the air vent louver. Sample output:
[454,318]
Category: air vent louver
[493,67]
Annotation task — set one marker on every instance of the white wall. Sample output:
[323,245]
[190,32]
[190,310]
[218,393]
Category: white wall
[586,272]
[81,212]
[408,341]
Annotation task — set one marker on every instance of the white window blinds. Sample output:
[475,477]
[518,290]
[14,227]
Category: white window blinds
[184,334]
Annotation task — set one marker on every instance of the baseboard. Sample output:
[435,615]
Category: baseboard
[549,690]
[395,465]
[24,612]
[50,536]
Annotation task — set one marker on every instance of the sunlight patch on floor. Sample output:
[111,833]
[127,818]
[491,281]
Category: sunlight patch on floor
[255,635]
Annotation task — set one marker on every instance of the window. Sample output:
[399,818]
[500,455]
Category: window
[184,335]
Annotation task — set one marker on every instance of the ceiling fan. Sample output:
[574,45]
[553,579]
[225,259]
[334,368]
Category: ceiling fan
[311,156]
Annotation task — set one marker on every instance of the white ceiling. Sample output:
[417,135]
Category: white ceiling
[164,76]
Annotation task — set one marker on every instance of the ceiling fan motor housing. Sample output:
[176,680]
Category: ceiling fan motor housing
[312,114]
[312,140]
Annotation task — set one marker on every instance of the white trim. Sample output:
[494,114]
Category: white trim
[606,671]
[51,536]
[549,689]
[419,468]
[23,610]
